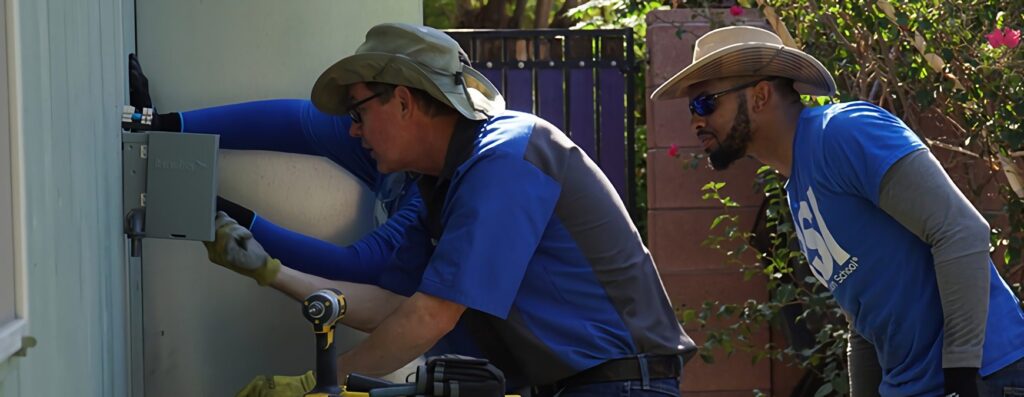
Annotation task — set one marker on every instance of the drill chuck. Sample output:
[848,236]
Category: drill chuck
[324,308]
[316,310]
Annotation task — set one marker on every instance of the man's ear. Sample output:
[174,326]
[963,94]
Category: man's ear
[405,99]
[762,94]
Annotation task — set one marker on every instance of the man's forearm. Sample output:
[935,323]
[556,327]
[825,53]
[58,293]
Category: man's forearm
[368,305]
[865,371]
[959,237]
[406,334]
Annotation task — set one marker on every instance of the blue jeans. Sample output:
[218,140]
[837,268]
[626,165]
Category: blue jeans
[626,388]
[1008,382]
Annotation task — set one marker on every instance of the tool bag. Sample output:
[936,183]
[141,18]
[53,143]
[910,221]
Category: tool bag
[452,375]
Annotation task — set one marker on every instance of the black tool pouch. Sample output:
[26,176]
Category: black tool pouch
[459,376]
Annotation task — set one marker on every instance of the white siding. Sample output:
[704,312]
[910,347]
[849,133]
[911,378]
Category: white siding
[71,60]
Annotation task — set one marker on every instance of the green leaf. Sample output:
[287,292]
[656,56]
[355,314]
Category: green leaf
[785,293]
[707,357]
[924,97]
[689,316]
[718,219]
[1014,138]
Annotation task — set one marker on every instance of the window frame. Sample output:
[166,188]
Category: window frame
[13,332]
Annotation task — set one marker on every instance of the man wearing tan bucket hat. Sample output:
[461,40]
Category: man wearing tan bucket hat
[522,240]
[879,221]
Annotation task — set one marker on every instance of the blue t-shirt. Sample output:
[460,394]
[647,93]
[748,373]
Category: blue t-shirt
[879,272]
[537,244]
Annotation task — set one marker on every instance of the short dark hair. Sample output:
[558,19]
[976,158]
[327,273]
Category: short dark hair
[430,105]
[784,88]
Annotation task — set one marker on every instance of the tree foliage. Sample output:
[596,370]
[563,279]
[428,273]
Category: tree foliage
[498,14]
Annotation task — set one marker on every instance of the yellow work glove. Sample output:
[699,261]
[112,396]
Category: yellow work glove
[279,386]
[234,248]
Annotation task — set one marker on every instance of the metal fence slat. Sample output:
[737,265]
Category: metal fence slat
[611,98]
[581,110]
[551,96]
[519,92]
[494,75]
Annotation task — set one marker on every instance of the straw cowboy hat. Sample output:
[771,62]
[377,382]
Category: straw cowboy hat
[748,51]
[412,56]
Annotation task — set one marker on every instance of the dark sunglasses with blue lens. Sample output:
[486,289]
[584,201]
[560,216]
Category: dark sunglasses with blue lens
[353,110]
[704,105]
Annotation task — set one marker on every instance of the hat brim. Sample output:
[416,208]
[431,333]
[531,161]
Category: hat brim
[477,101]
[752,59]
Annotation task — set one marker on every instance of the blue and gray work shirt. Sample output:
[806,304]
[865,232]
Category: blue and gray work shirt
[525,230]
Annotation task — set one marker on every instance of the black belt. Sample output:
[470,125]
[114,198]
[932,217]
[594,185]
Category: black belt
[622,369]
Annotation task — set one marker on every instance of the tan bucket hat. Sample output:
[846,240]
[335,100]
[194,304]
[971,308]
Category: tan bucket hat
[737,51]
[413,56]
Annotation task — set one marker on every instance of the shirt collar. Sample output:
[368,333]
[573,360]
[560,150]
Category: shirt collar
[460,146]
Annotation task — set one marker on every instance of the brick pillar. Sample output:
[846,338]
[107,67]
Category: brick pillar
[678,219]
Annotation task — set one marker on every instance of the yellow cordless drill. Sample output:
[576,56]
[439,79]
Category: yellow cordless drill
[323,309]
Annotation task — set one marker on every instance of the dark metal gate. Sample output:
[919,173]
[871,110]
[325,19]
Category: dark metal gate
[582,81]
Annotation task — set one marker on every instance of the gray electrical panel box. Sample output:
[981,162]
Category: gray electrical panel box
[170,181]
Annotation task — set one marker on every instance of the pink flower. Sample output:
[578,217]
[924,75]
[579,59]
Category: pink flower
[673,151]
[995,39]
[736,10]
[1011,37]
[1006,37]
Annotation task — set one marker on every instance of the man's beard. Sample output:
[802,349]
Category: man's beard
[734,147]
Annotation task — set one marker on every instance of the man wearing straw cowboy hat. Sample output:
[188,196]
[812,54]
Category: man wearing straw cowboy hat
[928,311]
[522,240]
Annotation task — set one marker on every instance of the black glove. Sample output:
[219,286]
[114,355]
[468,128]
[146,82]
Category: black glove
[240,214]
[961,382]
[138,96]
[138,84]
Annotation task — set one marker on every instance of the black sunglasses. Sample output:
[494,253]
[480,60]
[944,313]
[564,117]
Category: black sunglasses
[704,105]
[353,110]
